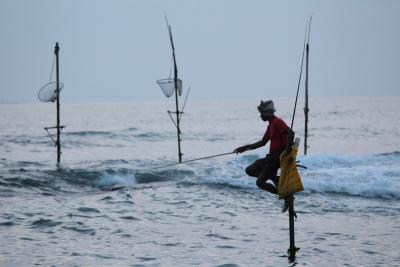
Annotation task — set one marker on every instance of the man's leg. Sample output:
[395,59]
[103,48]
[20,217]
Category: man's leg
[255,169]
[262,183]
[268,172]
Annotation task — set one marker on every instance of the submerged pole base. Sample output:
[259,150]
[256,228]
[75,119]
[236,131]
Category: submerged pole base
[292,253]
[292,247]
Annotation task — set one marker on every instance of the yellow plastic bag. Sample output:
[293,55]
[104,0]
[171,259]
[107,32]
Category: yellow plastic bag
[289,181]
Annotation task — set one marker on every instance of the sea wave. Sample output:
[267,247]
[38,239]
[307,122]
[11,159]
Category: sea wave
[373,176]
[376,176]
[88,133]
[370,176]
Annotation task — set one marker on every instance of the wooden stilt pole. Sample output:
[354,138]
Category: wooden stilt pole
[292,247]
[176,95]
[178,129]
[306,109]
[58,143]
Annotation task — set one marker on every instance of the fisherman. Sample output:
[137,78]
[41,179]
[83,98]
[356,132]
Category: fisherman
[279,135]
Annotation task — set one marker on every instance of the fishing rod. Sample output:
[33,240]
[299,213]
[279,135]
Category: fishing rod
[187,161]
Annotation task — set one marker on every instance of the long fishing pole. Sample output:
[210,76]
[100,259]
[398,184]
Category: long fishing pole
[187,161]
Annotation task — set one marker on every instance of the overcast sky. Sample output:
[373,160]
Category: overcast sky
[243,49]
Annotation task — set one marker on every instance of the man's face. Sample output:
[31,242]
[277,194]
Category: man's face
[265,117]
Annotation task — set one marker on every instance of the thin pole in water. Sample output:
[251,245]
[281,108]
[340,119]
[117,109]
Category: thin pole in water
[292,247]
[176,95]
[306,109]
[56,50]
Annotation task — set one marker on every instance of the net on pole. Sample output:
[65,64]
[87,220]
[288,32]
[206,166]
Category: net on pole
[48,92]
[168,86]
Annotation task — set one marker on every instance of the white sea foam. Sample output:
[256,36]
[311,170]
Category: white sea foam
[367,176]
[376,176]
[110,180]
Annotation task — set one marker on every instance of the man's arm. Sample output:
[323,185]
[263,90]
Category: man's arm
[255,145]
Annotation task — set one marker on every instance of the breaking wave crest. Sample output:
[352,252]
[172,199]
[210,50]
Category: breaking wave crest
[376,176]
[370,176]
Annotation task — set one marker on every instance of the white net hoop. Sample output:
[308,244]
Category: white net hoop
[48,92]
[168,86]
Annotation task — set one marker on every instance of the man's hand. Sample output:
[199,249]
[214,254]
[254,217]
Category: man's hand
[241,149]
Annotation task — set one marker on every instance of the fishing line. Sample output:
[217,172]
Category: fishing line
[187,161]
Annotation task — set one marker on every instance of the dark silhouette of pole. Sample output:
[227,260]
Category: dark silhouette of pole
[292,247]
[58,143]
[306,109]
[176,97]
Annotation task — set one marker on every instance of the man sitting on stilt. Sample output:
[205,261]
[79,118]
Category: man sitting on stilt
[279,135]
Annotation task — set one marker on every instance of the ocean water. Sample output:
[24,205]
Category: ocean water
[205,213]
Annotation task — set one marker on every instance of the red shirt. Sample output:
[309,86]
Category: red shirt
[277,134]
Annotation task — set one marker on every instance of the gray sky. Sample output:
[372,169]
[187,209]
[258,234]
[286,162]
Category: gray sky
[116,50]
